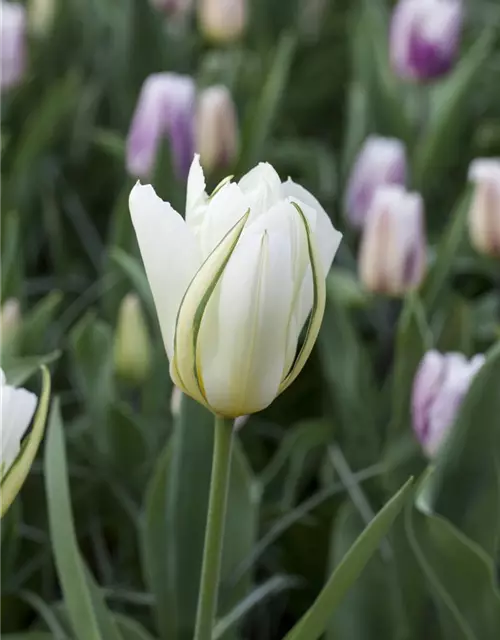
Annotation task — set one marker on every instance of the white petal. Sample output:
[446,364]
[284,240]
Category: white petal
[262,186]
[169,251]
[327,237]
[18,407]
[196,197]
[224,210]
[243,351]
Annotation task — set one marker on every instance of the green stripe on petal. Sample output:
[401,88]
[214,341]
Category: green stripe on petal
[185,368]
[18,472]
[318,308]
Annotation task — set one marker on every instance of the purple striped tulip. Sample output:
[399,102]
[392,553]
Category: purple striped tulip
[165,108]
[216,128]
[425,37]
[440,385]
[12,43]
[484,213]
[392,252]
[381,161]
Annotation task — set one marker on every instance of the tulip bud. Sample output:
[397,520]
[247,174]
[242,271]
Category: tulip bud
[484,214]
[12,43]
[132,348]
[41,15]
[216,128]
[425,37]
[18,407]
[10,321]
[381,161]
[234,283]
[440,385]
[392,253]
[165,109]
[222,20]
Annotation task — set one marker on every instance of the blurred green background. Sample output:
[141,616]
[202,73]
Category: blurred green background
[310,80]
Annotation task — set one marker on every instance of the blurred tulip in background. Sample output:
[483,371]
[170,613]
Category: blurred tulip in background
[484,213]
[424,37]
[216,128]
[440,384]
[12,43]
[132,349]
[393,247]
[222,21]
[10,321]
[41,14]
[381,161]
[165,109]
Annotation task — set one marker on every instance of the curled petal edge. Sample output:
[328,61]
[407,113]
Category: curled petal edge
[318,308]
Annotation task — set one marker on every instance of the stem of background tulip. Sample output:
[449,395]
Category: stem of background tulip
[214,532]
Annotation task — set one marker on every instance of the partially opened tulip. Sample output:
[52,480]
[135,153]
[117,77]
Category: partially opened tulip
[484,213]
[12,43]
[235,283]
[381,161]
[18,407]
[440,385]
[392,252]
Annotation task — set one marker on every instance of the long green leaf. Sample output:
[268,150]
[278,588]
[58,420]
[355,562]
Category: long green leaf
[88,616]
[314,622]
[18,472]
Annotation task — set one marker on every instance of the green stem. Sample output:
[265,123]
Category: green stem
[210,572]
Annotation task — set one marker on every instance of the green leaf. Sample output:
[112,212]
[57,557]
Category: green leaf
[464,487]
[29,635]
[91,348]
[260,594]
[347,371]
[259,128]
[54,107]
[461,576]
[12,272]
[18,472]
[36,322]
[241,530]
[134,271]
[18,370]
[156,551]
[446,253]
[314,622]
[89,617]
[447,107]
[456,326]
[412,341]
[130,629]
[367,612]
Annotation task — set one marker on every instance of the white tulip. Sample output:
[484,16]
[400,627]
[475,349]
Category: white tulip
[234,283]
[18,407]
[484,212]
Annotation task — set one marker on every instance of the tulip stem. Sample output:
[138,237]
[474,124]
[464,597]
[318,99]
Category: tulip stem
[210,572]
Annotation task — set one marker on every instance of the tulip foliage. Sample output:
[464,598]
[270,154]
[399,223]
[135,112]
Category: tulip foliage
[253,249]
